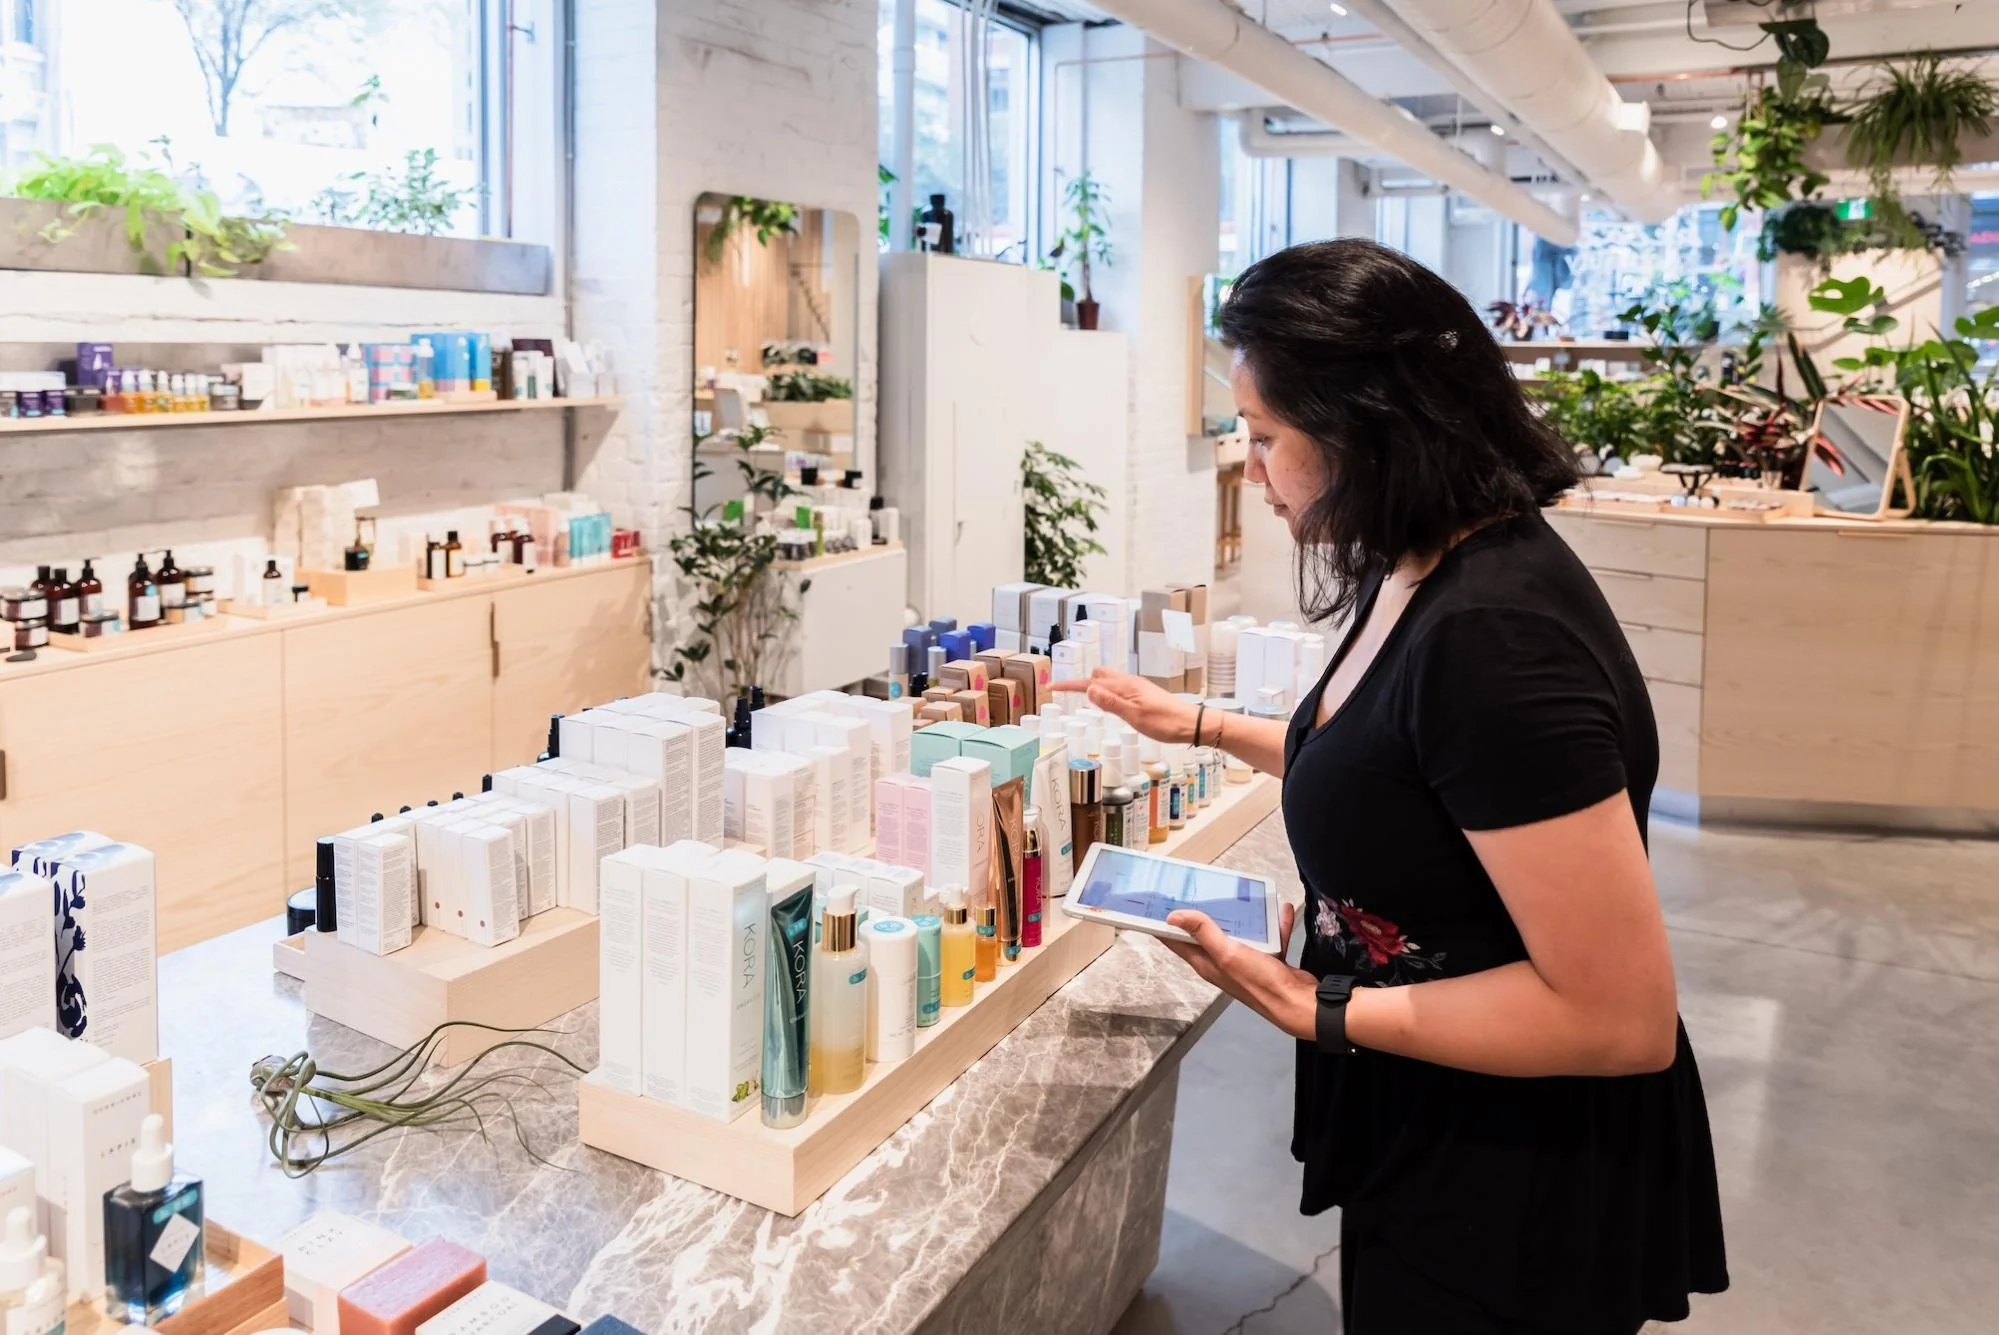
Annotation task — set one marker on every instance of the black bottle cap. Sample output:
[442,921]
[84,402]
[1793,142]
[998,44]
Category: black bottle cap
[808,475]
[554,736]
[42,572]
[301,907]
[325,913]
[877,503]
[756,697]
[451,535]
[378,815]
[431,803]
[403,810]
[62,575]
[1054,635]
[458,797]
[485,783]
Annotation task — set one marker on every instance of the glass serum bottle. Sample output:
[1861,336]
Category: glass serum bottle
[837,1021]
[152,1234]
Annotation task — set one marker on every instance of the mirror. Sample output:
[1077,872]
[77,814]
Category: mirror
[1856,460]
[776,334]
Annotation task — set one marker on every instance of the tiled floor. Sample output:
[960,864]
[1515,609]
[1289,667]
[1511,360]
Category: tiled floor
[1843,998]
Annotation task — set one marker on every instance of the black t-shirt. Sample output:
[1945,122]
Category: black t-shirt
[1505,695]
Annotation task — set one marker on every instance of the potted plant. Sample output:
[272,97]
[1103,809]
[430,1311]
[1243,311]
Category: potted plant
[1919,112]
[1062,510]
[1084,242]
[742,608]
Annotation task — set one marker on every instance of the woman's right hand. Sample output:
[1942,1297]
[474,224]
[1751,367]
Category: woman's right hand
[1148,707]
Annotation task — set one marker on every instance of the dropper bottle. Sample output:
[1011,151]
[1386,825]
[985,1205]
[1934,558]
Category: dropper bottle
[152,1234]
[33,1298]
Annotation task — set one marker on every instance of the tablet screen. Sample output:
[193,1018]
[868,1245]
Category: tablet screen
[1122,881]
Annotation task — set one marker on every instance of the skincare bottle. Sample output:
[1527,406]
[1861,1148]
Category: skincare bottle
[525,552]
[173,587]
[898,671]
[454,555]
[1177,796]
[1086,806]
[838,1014]
[891,988]
[33,1298]
[985,946]
[787,1006]
[499,538]
[358,556]
[1030,882]
[42,584]
[1138,825]
[90,591]
[958,950]
[929,969]
[274,583]
[152,1234]
[1162,793]
[1118,809]
[65,604]
[743,728]
[142,597]
[433,559]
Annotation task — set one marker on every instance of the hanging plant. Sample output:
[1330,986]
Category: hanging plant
[1820,233]
[1919,111]
[1760,159]
[318,1116]
[1062,510]
[770,219]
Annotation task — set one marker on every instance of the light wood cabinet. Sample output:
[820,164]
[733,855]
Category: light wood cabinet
[564,647]
[229,754]
[181,752]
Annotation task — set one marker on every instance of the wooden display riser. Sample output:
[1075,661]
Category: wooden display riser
[541,975]
[243,1293]
[787,1170]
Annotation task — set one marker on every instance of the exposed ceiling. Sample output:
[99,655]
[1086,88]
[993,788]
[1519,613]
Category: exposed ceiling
[1662,52]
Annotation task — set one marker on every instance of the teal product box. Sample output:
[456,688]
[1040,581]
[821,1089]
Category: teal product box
[1010,749]
[450,360]
[479,358]
[939,741]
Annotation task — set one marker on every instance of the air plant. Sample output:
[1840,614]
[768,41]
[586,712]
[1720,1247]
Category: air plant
[318,1116]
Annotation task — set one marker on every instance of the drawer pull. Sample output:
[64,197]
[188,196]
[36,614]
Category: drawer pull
[1624,574]
[1624,522]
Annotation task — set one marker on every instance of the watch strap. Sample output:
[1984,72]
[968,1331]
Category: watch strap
[1330,1023]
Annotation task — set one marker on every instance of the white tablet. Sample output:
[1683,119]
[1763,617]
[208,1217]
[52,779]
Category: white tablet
[1126,888]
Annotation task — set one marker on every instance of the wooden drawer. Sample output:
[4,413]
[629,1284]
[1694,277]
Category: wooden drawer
[1658,601]
[1665,655]
[1644,546]
[1677,711]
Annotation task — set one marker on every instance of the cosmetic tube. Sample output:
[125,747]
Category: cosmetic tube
[985,946]
[1009,846]
[1086,806]
[891,988]
[929,969]
[837,1018]
[1050,795]
[1030,880]
[1119,810]
[959,950]
[787,1003]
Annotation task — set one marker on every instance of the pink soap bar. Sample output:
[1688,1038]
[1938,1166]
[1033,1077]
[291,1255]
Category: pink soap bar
[410,1290]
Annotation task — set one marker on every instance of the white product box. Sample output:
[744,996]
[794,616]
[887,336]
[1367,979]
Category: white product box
[831,771]
[1045,609]
[492,900]
[896,892]
[324,1255]
[888,820]
[889,725]
[108,993]
[93,1127]
[596,830]
[757,803]
[27,954]
[435,881]
[796,780]
[642,803]
[620,961]
[576,735]
[663,750]
[961,826]
[17,1183]
[1070,661]
[543,788]
[533,826]
[726,916]
[663,999]
[1010,606]
[43,856]
[1280,663]
[852,735]
[515,824]
[709,740]
[374,878]
[30,1062]
[491,1309]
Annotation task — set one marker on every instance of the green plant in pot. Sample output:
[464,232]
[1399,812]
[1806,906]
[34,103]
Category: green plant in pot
[1086,241]
[1919,112]
[768,218]
[1062,508]
[742,607]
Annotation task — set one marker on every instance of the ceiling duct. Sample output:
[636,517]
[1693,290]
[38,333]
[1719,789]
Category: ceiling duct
[1524,53]
[1213,31]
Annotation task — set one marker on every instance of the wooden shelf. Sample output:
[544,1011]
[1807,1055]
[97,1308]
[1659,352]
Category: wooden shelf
[37,426]
[787,1170]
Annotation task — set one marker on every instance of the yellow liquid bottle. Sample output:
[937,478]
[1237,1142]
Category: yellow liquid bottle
[836,1022]
[958,953]
[985,956]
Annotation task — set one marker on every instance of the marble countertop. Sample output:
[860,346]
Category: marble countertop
[593,1233]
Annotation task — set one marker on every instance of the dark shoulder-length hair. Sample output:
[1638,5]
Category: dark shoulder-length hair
[1420,424]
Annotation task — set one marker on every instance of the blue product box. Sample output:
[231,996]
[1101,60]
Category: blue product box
[479,356]
[957,644]
[984,635]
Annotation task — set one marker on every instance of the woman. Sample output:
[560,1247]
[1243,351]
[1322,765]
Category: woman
[1493,1084]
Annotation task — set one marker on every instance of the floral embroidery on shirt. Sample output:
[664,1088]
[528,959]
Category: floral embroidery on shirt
[1352,930]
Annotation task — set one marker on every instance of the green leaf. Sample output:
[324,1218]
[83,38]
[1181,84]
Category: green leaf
[1844,297]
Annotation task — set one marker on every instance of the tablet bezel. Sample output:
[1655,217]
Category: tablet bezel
[1073,906]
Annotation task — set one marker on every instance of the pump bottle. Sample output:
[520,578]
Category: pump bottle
[837,1022]
[959,950]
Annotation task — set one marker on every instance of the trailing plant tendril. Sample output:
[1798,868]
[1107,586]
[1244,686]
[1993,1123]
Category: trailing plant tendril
[318,1116]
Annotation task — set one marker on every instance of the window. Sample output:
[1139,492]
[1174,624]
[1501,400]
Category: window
[1618,261]
[1255,204]
[941,118]
[323,110]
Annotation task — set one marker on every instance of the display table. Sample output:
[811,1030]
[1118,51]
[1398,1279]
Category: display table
[961,1221]
[1817,671]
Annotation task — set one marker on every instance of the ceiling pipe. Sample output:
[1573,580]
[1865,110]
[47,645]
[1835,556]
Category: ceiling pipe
[1390,24]
[1210,30]
[1534,65]
[1259,141]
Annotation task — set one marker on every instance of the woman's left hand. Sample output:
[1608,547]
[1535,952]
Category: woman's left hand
[1285,996]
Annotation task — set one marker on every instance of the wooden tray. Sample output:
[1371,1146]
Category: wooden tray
[288,956]
[284,611]
[244,1292]
[506,574]
[353,588]
[544,973]
[787,1170]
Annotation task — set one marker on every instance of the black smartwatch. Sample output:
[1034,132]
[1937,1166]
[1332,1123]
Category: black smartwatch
[1331,1023]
